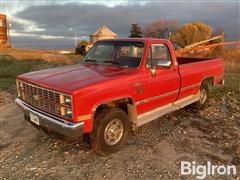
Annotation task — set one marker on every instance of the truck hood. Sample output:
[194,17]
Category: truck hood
[70,78]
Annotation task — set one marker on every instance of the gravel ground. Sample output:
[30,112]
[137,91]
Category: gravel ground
[154,151]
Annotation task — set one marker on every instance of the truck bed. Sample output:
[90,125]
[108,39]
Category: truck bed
[187,60]
[194,70]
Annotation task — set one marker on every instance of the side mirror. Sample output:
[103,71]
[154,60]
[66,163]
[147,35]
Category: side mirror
[164,63]
[160,64]
[153,71]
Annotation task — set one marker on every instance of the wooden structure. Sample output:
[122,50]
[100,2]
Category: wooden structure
[203,48]
[102,33]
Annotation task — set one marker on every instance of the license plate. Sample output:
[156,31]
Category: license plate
[34,118]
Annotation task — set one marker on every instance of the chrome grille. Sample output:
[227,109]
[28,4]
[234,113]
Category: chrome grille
[41,98]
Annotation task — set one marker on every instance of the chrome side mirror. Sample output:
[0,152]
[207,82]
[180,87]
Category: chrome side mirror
[164,63]
[153,71]
[160,64]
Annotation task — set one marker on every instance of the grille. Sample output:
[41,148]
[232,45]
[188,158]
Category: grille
[41,98]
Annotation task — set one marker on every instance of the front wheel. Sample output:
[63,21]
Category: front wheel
[110,131]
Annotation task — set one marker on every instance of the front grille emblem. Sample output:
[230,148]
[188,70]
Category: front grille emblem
[36,97]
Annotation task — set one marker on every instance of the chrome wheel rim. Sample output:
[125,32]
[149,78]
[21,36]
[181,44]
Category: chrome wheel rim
[203,96]
[113,132]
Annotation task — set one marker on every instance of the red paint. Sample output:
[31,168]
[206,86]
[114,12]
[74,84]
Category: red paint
[92,85]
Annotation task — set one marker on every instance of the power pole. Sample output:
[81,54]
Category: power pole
[75,38]
[169,36]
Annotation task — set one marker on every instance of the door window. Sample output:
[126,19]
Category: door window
[157,52]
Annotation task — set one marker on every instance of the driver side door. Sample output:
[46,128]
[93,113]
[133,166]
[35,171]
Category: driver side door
[163,88]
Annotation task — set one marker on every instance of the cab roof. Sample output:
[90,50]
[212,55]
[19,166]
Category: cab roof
[144,40]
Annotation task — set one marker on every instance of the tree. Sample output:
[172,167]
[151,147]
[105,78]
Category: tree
[191,33]
[81,48]
[136,31]
[161,28]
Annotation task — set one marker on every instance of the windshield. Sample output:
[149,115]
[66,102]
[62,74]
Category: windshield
[116,53]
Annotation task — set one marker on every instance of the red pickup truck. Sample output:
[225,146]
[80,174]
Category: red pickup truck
[120,85]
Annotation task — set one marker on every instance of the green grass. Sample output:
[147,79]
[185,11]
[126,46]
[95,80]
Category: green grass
[10,68]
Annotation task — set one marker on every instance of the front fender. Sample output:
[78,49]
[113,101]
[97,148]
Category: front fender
[88,124]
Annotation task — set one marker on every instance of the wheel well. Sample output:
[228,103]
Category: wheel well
[126,104]
[209,81]
[120,103]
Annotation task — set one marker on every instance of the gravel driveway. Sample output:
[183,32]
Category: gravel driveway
[154,151]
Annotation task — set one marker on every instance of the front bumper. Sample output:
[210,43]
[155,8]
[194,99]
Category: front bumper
[51,122]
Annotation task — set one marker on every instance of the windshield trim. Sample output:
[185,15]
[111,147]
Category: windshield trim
[140,63]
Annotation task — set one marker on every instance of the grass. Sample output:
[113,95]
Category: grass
[47,55]
[10,68]
[15,61]
[232,85]
[231,58]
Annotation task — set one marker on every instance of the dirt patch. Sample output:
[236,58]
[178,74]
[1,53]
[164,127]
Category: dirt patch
[153,152]
[5,98]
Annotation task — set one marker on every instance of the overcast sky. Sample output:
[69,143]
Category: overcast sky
[51,24]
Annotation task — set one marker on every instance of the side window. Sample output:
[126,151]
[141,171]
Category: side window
[158,52]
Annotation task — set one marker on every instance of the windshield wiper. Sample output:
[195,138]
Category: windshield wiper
[112,62]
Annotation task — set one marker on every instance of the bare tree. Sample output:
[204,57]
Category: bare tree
[161,28]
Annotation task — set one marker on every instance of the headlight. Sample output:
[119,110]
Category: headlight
[19,84]
[64,99]
[66,104]
[68,100]
[19,87]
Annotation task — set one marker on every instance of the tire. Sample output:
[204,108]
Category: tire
[110,131]
[204,96]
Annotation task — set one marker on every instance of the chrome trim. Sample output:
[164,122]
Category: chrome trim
[53,91]
[155,113]
[191,86]
[18,80]
[157,97]
[163,110]
[48,117]
[166,94]
[187,100]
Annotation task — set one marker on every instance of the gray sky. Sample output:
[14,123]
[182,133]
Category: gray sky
[51,24]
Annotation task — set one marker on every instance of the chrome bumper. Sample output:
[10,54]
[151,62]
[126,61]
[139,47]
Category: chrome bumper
[51,122]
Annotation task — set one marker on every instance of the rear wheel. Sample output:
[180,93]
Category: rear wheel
[204,96]
[110,131]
